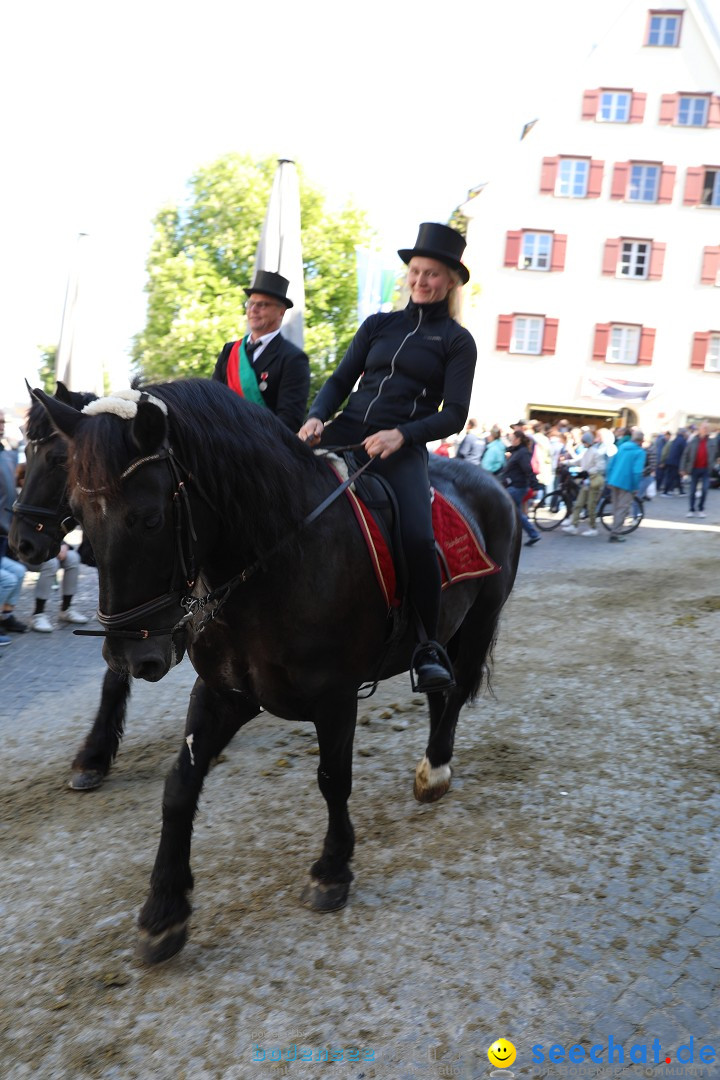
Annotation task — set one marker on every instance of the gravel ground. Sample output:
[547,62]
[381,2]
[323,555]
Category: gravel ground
[565,891]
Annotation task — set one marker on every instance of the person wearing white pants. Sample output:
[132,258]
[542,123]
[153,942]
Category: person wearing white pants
[69,562]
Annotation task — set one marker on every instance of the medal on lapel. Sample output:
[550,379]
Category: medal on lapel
[263,381]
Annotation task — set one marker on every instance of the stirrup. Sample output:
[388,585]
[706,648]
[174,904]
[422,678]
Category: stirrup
[443,662]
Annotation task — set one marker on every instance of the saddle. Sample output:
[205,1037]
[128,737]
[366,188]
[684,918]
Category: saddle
[458,544]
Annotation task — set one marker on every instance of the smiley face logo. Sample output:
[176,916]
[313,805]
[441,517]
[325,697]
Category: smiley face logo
[502,1053]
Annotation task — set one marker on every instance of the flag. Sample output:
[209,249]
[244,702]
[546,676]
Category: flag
[617,389]
[280,246]
[377,275]
[76,361]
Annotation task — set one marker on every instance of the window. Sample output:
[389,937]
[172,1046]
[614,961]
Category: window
[527,334]
[712,359]
[639,260]
[634,259]
[664,29]
[702,186]
[692,111]
[614,106]
[648,182]
[623,343]
[528,249]
[532,335]
[706,352]
[536,248]
[572,177]
[644,183]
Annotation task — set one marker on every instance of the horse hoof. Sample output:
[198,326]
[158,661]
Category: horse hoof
[431,783]
[88,780]
[157,948]
[321,897]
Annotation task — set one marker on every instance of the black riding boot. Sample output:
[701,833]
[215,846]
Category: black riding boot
[432,668]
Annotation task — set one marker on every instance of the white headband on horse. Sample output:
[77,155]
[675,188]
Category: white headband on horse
[123,403]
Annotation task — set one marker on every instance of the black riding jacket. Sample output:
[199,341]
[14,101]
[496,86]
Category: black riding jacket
[411,362]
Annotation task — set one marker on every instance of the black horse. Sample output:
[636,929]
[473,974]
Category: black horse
[199,507]
[41,519]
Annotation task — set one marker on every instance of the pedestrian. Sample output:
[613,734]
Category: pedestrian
[409,363]
[518,477]
[661,442]
[671,459]
[591,465]
[263,366]
[624,473]
[12,572]
[68,564]
[698,458]
[493,460]
[472,446]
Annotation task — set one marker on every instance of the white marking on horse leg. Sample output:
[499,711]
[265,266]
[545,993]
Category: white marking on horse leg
[431,783]
[189,742]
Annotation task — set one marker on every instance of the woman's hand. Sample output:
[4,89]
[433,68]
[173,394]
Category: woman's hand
[311,431]
[383,443]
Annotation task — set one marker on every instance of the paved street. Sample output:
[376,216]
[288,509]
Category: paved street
[564,895]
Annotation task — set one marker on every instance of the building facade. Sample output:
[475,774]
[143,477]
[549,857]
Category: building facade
[595,250]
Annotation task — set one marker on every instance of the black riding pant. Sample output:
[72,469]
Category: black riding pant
[407,473]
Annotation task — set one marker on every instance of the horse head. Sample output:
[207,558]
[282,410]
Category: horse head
[128,491]
[42,514]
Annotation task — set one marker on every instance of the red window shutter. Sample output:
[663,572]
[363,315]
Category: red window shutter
[548,175]
[699,350]
[657,261]
[621,172]
[512,248]
[667,184]
[590,104]
[610,257]
[637,108]
[647,344]
[668,108]
[557,259]
[710,265]
[693,186]
[600,344]
[595,179]
[550,337]
[714,112]
[504,331]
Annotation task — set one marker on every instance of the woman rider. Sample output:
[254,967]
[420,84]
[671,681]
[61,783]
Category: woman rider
[409,363]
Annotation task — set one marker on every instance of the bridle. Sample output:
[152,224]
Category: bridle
[43,515]
[184,573]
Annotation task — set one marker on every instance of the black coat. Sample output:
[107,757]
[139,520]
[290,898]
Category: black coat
[518,470]
[288,378]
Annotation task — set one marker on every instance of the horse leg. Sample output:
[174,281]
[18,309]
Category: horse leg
[331,875]
[96,755]
[213,718]
[469,649]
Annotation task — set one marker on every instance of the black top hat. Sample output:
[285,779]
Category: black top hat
[272,285]
[439,242]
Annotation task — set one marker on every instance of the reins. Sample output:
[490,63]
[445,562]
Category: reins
[209,605]
[27,510]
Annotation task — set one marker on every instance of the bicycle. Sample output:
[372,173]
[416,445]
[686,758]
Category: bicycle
[556,506]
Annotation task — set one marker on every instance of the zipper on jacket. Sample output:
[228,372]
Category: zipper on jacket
[422,394]
[392,365]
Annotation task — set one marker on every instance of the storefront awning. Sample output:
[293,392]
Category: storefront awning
[574,410]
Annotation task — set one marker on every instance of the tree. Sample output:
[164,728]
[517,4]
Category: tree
[46,368]
[202,258]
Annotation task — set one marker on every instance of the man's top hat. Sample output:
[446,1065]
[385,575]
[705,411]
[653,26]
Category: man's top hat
[439,242]
[271,284]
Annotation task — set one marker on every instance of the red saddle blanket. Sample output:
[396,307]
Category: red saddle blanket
[460,554]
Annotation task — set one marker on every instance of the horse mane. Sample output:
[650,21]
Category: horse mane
[243,458]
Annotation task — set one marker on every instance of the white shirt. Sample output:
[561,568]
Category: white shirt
[264,340]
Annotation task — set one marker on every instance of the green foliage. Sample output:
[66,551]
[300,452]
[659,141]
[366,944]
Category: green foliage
[202,258]
[46,369]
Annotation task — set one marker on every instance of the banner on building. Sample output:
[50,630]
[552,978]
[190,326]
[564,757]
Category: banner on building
[616,389]
[280,246]
[377,274]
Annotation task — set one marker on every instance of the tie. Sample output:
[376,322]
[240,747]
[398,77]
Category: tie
[250,347]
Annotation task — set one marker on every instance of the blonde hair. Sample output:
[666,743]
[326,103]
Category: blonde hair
[455,295]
